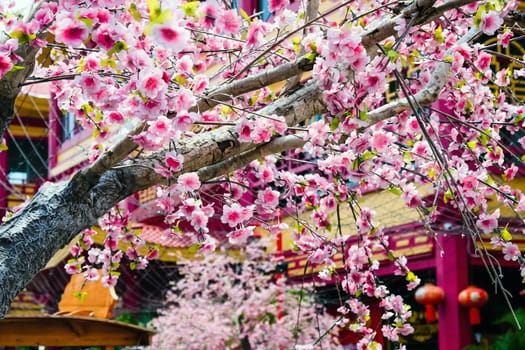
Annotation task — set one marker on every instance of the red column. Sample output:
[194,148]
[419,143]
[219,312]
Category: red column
[454,331]
[53,132]
[4,192]
[249,6]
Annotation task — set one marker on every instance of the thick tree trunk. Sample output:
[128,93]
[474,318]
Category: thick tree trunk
[49,222]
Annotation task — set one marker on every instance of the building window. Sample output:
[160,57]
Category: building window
[68,126]
[27,160]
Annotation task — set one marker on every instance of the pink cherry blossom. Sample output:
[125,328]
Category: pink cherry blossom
[504,38]
[199,220]
[184,120]
[105,36]
[411,195]
[380,141]
[511,252]
[150,83]
[277,5]
[184,64]
[488,222]
[170,35]
[174,161]
[72,268]
[200,83]
[184,100]
[91,274]
[235,214]
[244,128]
[490,22]
[209,245]
[91,83]
[71,32]
[256,30]
[268,198]
[210,11]
[5,65]
[502,79]
[116,117]
[229,21]
[109,281]
[188,182]
[240,235]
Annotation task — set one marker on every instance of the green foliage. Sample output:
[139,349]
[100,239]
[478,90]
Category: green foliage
[512,339]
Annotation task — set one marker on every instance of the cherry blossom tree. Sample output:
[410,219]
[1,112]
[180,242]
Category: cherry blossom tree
[188,89]
[226,303]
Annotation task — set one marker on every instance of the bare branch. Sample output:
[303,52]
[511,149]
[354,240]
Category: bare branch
[275,146]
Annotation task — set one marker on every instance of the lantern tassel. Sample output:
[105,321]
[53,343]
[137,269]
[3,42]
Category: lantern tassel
[430,313]
[474,315]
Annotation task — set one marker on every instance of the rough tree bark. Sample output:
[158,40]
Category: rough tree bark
[59,211]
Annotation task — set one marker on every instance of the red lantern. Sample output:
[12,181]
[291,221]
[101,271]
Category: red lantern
[430,295]
[474,298]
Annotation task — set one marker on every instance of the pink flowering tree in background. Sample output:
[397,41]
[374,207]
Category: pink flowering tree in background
[185,89]
[226,303]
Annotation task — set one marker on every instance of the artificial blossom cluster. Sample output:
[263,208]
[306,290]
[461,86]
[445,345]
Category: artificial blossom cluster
[119,64]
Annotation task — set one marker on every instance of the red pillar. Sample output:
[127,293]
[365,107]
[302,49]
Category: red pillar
[53,132]
[4,192]
[250,6]
[454,331]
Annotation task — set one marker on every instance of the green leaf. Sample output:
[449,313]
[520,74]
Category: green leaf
[134,12]
[392,55]
[484,137]
[363,114]
[119,46]
[181,80]
[296,42]
[438,35]
[176,229]
[447,196]
[497,4]
[505,234]
[87,21]
[479,14]
[355,164]
[411,276]
[114,273]
[190,8]
[22,37]
[194,248]
[156,15]
[334,123]
[395,190]
[310,56]
[368,155]
[80,295]
[154,8]
[407,157]
[245,16]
